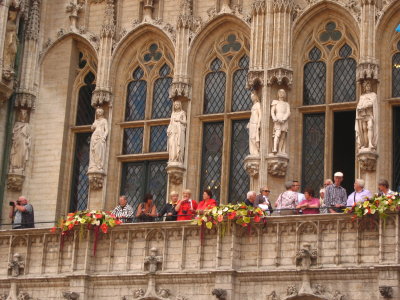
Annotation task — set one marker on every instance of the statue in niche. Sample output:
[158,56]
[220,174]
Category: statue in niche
[176,133]
[280,112]
[254,125]
[366,125]
[10,45]
[21,144]
[98,143]
[16,265]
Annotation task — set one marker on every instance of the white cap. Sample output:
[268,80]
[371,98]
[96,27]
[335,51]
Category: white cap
[338,174]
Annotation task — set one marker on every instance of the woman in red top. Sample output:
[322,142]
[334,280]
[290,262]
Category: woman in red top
[207,203]
[310,205]
[186,207]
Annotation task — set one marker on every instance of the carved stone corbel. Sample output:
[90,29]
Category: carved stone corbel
[277,164]
[175,171]
[252,165]
[280,76]
[101,97]
[180,89]
[386,291]
[255,79]
[16,265]
[25,99]
[220,294]
[367,160]
[96,180]
[70,295]
[367,70]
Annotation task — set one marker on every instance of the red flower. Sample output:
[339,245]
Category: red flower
[232,215]
[70,226]
[112,216]
[104,228]
[257,218]
[88,214]
[108,212]
[71,214]
[220,218]
[118,222]
[244,224]
[53,230]
[99,216]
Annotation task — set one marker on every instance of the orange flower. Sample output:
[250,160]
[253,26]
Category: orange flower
[257,218]
[53,230]
[70,226]
[71,214]
[118,222]
[104,228]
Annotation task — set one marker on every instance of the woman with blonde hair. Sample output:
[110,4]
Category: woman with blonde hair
[169,208]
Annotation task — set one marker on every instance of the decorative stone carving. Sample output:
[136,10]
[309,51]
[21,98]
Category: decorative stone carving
[10,46]
[148,7]
[280,76]
[21,144]
[273,296]
[24,99]
[366,119]
[220,294]
[386,291]
[180,89]
[15,182]
[96,180]
[98,145]
[291,291]
[23,296]
[306,257]
[367,71]
[367,160]
[175,172]
[337,296]
[32,31]
[280,112]
[153,261]
[252,165]
[254,125]
[258,7]
[71,295]
[138,293]
[164,293]
[108,27]
[16,265]
[255,79]
[225,6]
[277,164]
[101,97]
[176,133]
[73,8]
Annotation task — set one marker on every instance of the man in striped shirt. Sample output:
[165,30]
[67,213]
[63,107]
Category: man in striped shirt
[123,211]
[335,195]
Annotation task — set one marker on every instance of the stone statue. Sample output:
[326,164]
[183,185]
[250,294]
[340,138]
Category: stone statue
[21,144]
[280,112]
[153,261]
[254,125]
[16,265]
[366,121]
[98,143]
[10,45]
[176,133]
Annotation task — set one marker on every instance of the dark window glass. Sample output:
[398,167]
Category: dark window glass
[396,75]
[82,62]
[85,112]
[344,76]
[240,95]
[211,161]
[162,105]
[136,98]
[313,151]
[314,79]
[330,33]
[239,183]
[232,45]
[80,180]
[214,93]
[158,138]
[133,140]
[396,149]
[139,178]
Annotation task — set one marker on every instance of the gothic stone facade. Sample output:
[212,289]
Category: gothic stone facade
[59,60]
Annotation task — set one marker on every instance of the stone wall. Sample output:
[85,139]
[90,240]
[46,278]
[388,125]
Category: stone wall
[325,256]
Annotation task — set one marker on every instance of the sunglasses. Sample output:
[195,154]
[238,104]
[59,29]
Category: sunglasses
[267,191]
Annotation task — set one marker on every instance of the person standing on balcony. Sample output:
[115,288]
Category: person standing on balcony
[21,214]
[359,194]
[147,210]
[186,207]
[123,211]
[207,203]
[335,195]
[169,208]
[287,201]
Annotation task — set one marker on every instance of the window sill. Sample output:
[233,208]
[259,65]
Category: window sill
[142,156]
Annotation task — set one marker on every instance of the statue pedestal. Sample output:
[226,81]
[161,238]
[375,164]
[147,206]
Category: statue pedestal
[96,180]
[252,166]
[367,159]
[277,164]
[175,171]
[15,182]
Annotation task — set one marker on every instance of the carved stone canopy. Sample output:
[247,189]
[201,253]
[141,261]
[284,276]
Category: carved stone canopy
[280,76]
[252,165]
[277,164]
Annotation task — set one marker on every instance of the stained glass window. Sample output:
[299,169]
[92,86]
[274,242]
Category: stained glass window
[85,112]
[133,140]
[139,178]
[80,180]
[211,161]
[314,79]
[162,105]
[396,73]
[158,138]
[313,150]
[240,95]
[214,94]
[136,97]
[344,76]
[239,182]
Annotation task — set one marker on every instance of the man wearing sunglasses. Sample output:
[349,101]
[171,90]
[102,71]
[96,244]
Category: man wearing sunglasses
[263,201]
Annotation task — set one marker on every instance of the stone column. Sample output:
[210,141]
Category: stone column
[368,70]
[102,99]
[24,103]
[181,89]
[255,82]
[279,76]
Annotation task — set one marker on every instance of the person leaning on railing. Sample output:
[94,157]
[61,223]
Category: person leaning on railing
[310,204]
[146,211]
[287,201]
[360,194]
[207,203]
[335,195]
[123,211]
[21,214]
[169,208]
[186,207]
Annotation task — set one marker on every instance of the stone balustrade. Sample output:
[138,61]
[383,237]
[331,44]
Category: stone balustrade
[293,257]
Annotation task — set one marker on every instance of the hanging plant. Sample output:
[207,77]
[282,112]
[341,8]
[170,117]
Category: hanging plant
[87,220]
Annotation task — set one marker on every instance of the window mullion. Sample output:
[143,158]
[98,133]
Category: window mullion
[226,150]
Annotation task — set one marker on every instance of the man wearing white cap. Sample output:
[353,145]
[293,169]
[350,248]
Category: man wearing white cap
[335,195]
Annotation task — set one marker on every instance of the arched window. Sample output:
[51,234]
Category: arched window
[84,118]
[396,73]
[144,148]
[344,79]
[225,135]
[314,79]
[214,92]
